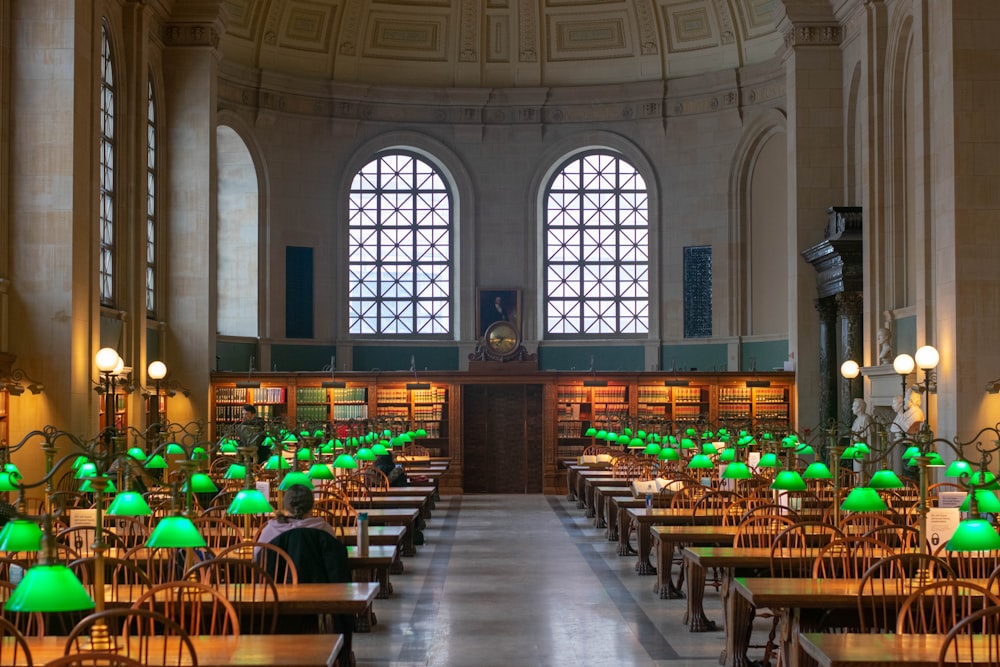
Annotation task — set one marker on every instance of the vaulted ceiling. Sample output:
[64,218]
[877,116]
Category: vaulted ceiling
[498,43]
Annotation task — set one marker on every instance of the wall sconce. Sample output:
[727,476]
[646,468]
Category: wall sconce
[993,386]
[15,380]
[416,385]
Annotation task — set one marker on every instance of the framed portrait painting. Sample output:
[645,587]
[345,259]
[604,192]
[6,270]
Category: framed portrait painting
[497,305]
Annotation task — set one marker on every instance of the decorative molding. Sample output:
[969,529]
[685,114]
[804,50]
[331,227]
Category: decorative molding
[813,35]
[349,32]
[272,22]
[527,31]
[191,34]
[468,34]
[646,20]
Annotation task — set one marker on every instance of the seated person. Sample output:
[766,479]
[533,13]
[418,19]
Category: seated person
[319,557]
[393,471]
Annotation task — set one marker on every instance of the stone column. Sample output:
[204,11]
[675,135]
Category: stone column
[828,367]
[190,75]
[814,92]
[850,309]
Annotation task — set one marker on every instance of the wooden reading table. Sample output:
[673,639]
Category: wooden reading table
[667,539]
[883,650]
[643,518]
[229,651]
[397,517]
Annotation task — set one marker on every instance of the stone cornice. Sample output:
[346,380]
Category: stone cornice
[826,34]
[191,34]
[655,100]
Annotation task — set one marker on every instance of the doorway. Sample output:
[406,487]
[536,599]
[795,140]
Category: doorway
[502,438]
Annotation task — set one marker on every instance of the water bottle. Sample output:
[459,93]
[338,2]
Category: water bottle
[363,534]
[649,501]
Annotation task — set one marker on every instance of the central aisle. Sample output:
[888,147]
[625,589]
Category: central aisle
[527,580]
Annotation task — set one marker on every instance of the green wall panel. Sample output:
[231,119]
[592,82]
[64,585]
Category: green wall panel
[905,334]
[704,357]
[301,357]
[764,355]
[617,358]
[388,358]
[234,356]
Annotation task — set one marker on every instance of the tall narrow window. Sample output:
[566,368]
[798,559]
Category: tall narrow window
[596,248]
[698,292]
[399,249]
[107,172]
[151,220]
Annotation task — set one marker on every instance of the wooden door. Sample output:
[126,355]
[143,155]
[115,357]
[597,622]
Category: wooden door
[502,438]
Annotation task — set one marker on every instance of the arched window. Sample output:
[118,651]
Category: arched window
[237,237]
[399,248]
[152,233]
[107,171]
[596,248]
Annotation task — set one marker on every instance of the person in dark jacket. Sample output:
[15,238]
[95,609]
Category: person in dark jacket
[319,556]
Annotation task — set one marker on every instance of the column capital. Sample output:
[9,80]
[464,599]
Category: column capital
[808,23]
[849,304]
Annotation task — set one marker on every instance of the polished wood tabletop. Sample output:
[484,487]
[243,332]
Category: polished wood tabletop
[397,517]
[879,650]
[668,538]
[227,651]
[644,517]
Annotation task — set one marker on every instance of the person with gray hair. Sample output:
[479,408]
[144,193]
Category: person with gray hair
[296,512]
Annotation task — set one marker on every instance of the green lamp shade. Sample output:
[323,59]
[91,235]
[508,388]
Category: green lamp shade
[788,480]
[690,431]
[327,448]
[985,480]
[669,454]
[137,453]
[173,449]
[320,471]
[817,470]
[863,499]
[974,535]
[228,446]
[687,443]
[49,588]
[885,479]
[249,501]
[861,449]
[276,461]
[986,501]
[788,442]
[200,483]
[156,462]
[728,455]
[79,461]
[378,449]
[709,448]
[304,454]
[420,433]
[407,437]
[652,449]
[700,461]
[235,471]
[768,460]
[293,478]
[86,470]
[848,454]
[21,535]
[268,441]
[365,454]
[804,450]
[289,437]
[345,461]
[87,487]
[737,470]
[8,481]
[199,454]
[129,503]
[611,437]
[624,440]
[590,432]
[958,468]
[602,434]
[745,441]
[636,443]
[10,467]
[910,452]
[175,532]
[934,460]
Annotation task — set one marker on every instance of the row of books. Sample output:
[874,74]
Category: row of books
[253,396]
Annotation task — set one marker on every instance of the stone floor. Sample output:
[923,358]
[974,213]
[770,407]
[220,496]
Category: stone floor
[527,580]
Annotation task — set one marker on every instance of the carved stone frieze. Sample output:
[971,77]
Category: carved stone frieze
[349,31]
[813,35]
[527,23]
[469,32]
[191,34]
[646,20]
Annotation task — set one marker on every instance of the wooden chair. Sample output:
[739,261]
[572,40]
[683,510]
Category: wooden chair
[81,539]
[29,623]
[792,545]
[199,609]
[772,509]
[713,502]
[934,490]
[970,564]
[130,530]
[859,523]
[901,538]
[14,648]
[975,640]
[938,607]
[234,577]
[118,573]
[219,532]
[849,558]
[275,560]
[377,480]
[890,579]
[738,509]
[340,514]
[164,564]
[139,634]
[93,659]
[759,530]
